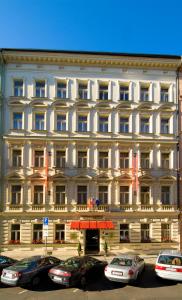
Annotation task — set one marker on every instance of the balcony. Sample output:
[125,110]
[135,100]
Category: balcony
[61,207]
[15,207]
[38,207]
[146,207]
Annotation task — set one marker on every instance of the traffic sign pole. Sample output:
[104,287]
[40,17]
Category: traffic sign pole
[45,231]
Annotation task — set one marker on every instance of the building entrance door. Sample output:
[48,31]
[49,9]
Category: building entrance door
[92,241]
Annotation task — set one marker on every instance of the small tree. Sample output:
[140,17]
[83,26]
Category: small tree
[105,248]
[79,249]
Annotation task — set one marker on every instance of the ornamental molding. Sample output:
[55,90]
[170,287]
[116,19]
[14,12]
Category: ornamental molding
[86,59]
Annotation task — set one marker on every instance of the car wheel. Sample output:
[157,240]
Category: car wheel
[35,281]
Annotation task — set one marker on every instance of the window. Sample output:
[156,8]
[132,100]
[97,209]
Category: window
[164,94]
[124,233]
[39,121]
[39,159]
[165,233]
[124,125]
[82,123]
[38,194]
[37,233]
[16,194]
[40,89]
[17,120]
[144,125]
[124,195]
[165,160]
[145,195]
[82,194]
[124,160]
[124,93]
[103,194]
[144,93]
[82,91]
[165,195]
[60,194]
[61,122]
[103,92]
[16,158]
[145,233]
[61,90]
[18,88]
[103,160]
[164,126]
[15,233]
[59,233]
[103,124]
[145,160]
[82,159]
[60,159]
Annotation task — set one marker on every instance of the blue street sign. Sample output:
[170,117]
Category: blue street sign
[45,221]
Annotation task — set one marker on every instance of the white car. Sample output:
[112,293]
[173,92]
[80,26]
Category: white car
[124,268]
[169,265]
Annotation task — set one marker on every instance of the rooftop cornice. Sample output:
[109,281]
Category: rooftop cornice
[92,59]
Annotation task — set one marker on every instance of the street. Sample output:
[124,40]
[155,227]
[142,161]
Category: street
[148,287]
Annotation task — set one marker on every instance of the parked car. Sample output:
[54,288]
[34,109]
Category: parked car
[124,268]
[6,262]
[169,265]
[28,270]
[76,270]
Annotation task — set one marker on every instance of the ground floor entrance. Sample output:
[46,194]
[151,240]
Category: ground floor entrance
[92,241]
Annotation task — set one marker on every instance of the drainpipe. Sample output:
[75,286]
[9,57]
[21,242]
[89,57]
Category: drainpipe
[179,162]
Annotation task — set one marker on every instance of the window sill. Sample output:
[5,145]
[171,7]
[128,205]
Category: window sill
[103,100]
[105,132]
[83,99]
[40,130]
[15,130]
[39,98]
[61,99]
[17,97]
[87,131]
[61,131]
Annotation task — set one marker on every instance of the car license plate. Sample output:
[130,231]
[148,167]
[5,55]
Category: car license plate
[9,275]
[171,269]
[117,273]
[58,278]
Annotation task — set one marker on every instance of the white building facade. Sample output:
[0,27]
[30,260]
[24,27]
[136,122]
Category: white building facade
[90,141]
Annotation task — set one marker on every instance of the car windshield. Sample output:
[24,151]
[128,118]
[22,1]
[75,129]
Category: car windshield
[26,264]
[170,260]
[121,262]
[71,262]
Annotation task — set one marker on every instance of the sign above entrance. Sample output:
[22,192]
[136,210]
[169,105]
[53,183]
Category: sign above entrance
[92,225]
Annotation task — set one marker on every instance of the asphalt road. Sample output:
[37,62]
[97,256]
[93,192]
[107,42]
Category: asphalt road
[148,288]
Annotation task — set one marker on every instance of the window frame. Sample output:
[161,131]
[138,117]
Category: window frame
[17,194]
[82,194]
[144,126]
[21,94]
[82,123]
[40,122]
[63,90]
[43,90]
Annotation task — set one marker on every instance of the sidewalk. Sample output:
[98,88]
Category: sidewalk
[66,253]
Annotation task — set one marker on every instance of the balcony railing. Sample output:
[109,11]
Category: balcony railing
[15,207]
[88,208]
[40,207]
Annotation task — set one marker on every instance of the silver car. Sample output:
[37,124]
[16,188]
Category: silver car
[29,270]
[169,265]
[124,268]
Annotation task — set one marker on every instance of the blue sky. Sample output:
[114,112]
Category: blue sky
[143,26]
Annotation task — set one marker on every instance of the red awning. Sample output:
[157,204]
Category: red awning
[92,225]
[75,225]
